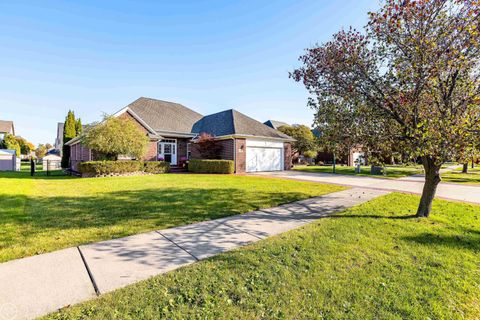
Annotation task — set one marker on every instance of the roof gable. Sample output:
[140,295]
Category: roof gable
[7,126]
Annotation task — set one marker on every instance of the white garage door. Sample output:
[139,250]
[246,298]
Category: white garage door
[264,156]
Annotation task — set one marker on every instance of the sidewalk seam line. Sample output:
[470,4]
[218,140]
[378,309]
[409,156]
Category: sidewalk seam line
[176,244]
[90,274]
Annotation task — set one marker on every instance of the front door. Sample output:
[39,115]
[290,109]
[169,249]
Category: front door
[167,150]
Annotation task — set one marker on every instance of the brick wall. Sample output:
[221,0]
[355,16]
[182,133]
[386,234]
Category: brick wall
[287,151]
[182,148]
[227,153]
[79,153]
[240,156]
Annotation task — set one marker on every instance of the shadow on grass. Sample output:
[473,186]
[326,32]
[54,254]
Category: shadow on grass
[466,240]
[150,207]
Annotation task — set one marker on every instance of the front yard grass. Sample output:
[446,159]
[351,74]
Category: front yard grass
[393,171]
[374,261]
[43,214]
[456,176]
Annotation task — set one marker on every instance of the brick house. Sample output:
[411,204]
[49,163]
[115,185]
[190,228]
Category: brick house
[172,128]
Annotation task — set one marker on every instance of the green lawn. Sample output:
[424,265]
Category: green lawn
[456,176]
[392,171]
[374,261]
[43,213]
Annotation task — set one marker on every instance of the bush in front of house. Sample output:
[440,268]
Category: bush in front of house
[99,168]
[104,168]
[156,167]
[211,166]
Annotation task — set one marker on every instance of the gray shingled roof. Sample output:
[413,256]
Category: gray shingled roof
[165,116]
[6,126]
[275,124]
[230,122]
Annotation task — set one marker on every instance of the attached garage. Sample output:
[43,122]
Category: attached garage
[264,155]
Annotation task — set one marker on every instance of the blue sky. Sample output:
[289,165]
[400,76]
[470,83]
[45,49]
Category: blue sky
[95,57]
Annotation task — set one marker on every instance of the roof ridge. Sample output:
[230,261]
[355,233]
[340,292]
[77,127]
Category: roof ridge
[233,121]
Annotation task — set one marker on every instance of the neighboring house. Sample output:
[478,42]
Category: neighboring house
[6,127]
[9,160]
[172,128]
[275,124]
[59,140]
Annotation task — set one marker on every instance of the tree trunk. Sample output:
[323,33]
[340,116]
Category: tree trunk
[473,163]
[465,168]
[432,179]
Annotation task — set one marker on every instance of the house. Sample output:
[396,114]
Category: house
[59,140]
[6,127]
[275,124]
[172,127]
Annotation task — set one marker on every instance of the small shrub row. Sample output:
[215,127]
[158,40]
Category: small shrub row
[156,167]
[100,168]
[211,166]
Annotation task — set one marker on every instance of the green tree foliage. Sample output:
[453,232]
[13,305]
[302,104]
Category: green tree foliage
[116,136]
[10,142]
[78,126]
[69,132]
[412,80]
[48,146]
[41,151]
[305,140]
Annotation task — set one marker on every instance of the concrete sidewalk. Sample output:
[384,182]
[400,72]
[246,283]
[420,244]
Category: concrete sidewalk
[449,191]
[34,286]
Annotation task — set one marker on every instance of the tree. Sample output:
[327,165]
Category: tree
[10,142]
[305,140]
[41,151]
[116,136]
[25,146]
[208,147]
[336,126]
[413,76]
[48,146]
[69,132]
[78,127]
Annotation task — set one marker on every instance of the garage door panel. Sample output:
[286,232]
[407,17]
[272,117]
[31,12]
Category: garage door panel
[264,159]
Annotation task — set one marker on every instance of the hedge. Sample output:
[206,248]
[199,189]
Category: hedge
[156,167]
[98,168]
[211,166]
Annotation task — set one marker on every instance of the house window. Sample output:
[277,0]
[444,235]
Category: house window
[189,152]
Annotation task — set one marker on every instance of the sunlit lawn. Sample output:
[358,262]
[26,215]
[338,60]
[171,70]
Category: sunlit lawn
[43,213]
[391,171]
[456,176]
[374,261]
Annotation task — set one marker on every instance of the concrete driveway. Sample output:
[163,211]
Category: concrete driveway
[449,191]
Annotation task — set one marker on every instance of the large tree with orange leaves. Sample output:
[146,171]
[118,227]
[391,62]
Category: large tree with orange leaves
[411,78]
